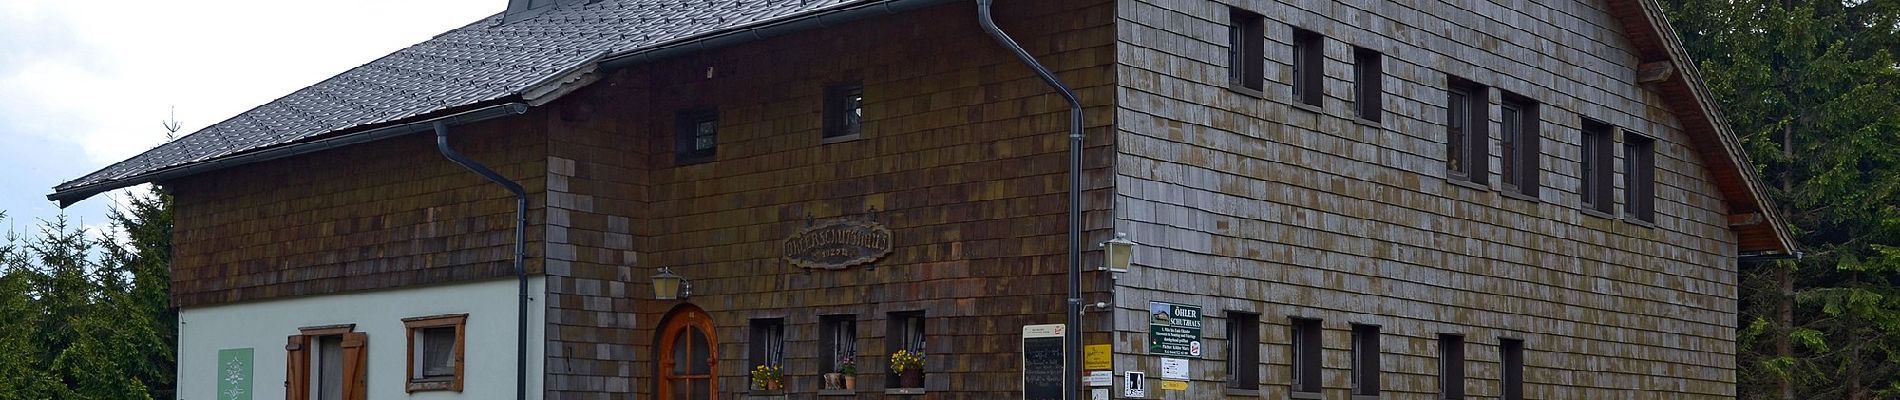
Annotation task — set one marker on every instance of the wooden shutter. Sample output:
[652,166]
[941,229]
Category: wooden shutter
[296,368]
[355,366]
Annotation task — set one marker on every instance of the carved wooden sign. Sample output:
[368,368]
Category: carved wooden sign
[838,244]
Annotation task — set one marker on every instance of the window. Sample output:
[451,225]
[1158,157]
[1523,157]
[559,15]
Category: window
[1451,366]
[326,363]
[767,342]
[1511,354]
[1243,350]
[905,332]
[1306,355]
[1466,115]
[838,335]
[1365,360]
[844,111]
[698,135]
[435,352]
[1246,44]
[1519,144]
[1368,84]
[1597,139]
[1308,52]
[1639,177]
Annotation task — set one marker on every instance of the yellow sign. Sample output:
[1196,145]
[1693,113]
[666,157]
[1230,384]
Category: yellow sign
[1095,357]
[1173,385]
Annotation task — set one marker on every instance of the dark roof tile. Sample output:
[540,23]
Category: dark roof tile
[477,63]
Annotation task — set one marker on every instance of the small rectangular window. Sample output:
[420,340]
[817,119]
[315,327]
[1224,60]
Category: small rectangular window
[1596,172]
[1309,53]
[1639,177]
[1511,354]
[1243,350]
[697,138]
[1451,366]
[1519,143]
[838,337]
[435,352]
[1306,355]
[327,363]
[905,332]
[1368,82]
[767,342]
[1246,46]
[1467,153]
[1365,360]
[844,111]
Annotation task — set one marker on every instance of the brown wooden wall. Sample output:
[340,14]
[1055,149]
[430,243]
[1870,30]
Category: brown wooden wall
[386,214]
[1254,204]
[963,157]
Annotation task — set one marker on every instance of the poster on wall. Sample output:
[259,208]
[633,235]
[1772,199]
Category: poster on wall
[1136,384]
[234,373]
[1174,329]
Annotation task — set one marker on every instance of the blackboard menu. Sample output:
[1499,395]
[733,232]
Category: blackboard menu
[1042,368]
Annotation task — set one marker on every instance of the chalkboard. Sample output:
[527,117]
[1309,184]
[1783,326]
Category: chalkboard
[1042,368]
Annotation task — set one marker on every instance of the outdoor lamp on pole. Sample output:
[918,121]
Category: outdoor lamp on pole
[1117,253]
[670,286]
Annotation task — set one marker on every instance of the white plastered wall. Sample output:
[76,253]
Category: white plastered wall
[489,360]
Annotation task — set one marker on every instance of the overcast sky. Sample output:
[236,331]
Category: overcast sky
[84,84]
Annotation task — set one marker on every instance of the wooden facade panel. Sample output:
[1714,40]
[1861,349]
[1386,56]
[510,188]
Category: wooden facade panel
[1250,204]
[963,157]
[381,215]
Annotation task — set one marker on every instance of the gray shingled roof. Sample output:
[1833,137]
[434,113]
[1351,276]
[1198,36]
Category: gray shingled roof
[481,62]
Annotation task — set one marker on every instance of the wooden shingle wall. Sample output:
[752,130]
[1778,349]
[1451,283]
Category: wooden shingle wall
[1252,204]
[963,157]
[386,214]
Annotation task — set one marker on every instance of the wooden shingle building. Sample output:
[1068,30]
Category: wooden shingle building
[1330,199]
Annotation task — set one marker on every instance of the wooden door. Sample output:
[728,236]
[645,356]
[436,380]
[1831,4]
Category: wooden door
[689,357]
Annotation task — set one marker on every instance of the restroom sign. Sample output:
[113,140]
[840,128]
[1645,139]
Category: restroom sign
[1174,329]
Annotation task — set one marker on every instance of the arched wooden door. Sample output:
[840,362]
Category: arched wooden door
[689,358]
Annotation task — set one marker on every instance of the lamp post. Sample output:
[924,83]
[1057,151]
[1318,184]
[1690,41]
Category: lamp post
[670,286]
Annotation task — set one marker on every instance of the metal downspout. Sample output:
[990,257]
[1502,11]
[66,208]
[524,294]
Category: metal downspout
[1072,334]
[521,272]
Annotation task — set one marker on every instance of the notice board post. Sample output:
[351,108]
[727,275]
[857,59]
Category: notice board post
[1043,362]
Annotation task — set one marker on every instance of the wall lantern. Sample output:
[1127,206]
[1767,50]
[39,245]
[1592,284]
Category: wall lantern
[670,286]
[1118,253]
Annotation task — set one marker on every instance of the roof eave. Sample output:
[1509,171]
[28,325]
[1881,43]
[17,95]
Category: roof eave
[67,196]
[1656,40]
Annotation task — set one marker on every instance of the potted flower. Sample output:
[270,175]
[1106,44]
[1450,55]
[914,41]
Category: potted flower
[768,377]
[849,368]
[845,377]
[909,366]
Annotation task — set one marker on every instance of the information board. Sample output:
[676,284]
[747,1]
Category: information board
[1043,362]
[234,373]
[1174,329]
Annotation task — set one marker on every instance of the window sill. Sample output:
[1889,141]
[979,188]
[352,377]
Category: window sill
[1249,92]
[1520,196]
[1599,214]
[1298,105]
[837,392]
[765,393]
[1640,223]
[841,139]
[1306,395]
[1460,181]
[1241,392]
[1368,123]
[904,391]
[1365,397]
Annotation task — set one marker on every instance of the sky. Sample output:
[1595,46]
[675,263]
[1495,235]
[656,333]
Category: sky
[84,84]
